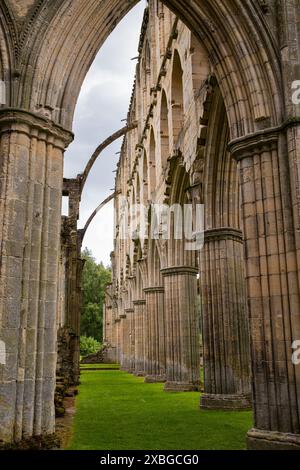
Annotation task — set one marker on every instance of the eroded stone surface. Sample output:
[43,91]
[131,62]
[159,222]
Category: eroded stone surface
[200,108]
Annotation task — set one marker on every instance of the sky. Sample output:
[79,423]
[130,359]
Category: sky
[103,103]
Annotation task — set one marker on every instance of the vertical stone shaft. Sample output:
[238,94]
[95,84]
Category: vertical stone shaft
[182,329]
[126,340]
[225,321]
[31,158]
[139,313]
[118,339]
[273,288]
[132,334]
[156,351]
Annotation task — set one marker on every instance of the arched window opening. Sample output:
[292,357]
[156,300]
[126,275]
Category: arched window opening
[152,162]
[145,179]
[177,100]
[138,190]
[164,130]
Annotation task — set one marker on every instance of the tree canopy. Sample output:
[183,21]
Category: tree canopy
[94,281]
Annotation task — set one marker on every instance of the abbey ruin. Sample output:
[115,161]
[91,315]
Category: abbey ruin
[214,127]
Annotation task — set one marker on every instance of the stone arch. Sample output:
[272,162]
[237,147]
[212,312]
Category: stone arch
[180,282]
[138,198]
[164,130]
[222,268]
[8,55]
[200,64]
[221,179]
[145,178]
[57,43]
[55,89]
[177,102]
[155,264]
[177,197]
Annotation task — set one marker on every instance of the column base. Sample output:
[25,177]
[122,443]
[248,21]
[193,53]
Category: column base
[181,387]
[271,440]
[44,442]
[226,402]
[139,374]
[155,379]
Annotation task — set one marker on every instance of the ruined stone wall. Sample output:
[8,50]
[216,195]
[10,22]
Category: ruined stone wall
[252,47]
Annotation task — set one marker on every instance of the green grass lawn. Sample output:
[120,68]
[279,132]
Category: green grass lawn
[116,411]
[99,366]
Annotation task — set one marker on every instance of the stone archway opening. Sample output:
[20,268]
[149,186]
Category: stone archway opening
[44,65]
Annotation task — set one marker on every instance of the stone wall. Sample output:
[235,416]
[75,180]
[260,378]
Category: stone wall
[237,81]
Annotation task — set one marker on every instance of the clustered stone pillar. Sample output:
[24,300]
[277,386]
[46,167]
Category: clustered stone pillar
[272,275]
[31,158]
[139,314]
[117,328]
[107,322]
[225,321]
[182,329]
[155,367]
[109,328]
[125,340]
[132,335]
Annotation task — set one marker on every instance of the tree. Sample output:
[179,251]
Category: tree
[88,346]
[94,281]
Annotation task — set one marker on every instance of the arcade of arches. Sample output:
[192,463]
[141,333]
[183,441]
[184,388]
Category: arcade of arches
[211,122]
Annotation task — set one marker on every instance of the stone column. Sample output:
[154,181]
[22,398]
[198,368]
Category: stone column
[272,274]
[132,335]
[125,340]
[139,314]
[31,158]
[182,329]
[225,322]
[156,342]
[117,326]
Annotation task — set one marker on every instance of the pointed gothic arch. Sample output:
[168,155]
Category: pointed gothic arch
[177,101]
[164,130]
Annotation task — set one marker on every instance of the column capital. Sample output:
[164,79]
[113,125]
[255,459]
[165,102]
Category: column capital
[129,310]
[257,142]
[34,125]
[179,270]
[139,302]
[246,146]
[154,289]
[223,233]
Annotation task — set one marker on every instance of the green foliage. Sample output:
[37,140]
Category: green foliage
[94,281]
[129,414]
[88,346]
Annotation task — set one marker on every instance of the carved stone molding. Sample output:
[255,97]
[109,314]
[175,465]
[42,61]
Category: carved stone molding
[223,233]
[33,124]
[254,144]
[128,310]
[271,440]
[154,290]
[257,142]
[139,302]
[179,270]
